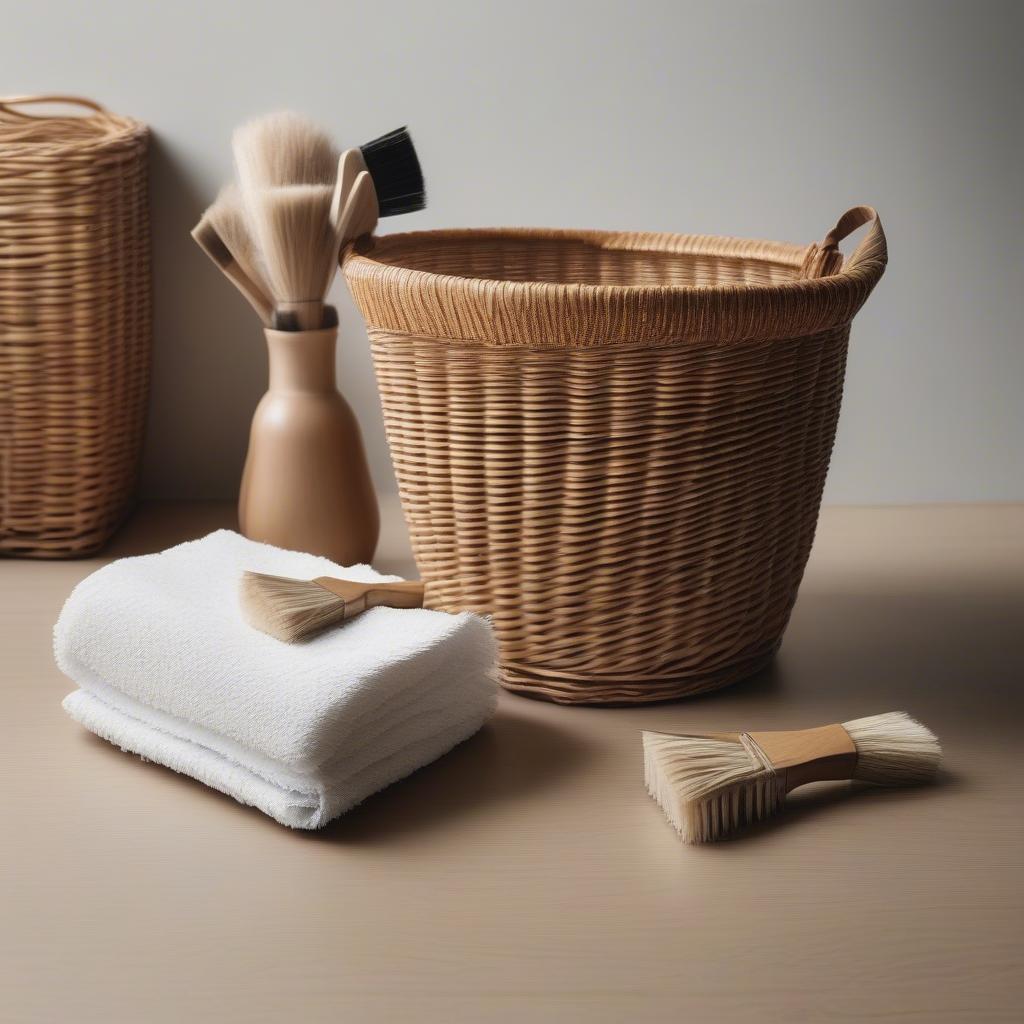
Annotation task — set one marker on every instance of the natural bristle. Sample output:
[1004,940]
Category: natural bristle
[709,787]
[209,240]
[223,234]
[227,216]
[283,149]
[397,176]
[296,239]
[894,749]
[290,610]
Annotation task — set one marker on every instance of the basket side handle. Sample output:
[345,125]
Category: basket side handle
[8,102]
[824,259]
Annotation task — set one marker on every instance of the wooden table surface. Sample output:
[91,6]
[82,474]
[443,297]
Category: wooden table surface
[527,876]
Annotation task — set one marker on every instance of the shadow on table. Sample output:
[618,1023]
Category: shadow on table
[512,755]
[849,800]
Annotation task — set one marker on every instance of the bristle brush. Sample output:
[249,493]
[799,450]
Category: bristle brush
[298,246]
[286,169]
[295,610]
[395,184]
[395,169]
[710,784]
[301,203]
[283,149]
[223,234]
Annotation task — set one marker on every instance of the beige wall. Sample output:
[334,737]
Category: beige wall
[760,119]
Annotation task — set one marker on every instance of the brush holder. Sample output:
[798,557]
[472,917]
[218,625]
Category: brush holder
[613,444]
[306,483]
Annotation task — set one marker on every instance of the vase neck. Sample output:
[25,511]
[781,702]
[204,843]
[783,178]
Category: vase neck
[302,360]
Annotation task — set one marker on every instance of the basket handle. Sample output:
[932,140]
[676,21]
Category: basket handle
[7,102]
[824,259]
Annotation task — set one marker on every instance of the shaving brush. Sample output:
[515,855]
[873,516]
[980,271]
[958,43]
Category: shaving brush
[286,171]
[298,246]
[283,149]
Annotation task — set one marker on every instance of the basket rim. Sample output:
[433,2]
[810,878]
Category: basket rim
[755,250]
[544,313]
[96,132]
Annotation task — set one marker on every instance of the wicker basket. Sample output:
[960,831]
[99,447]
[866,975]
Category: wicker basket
[615,444]
[75,324]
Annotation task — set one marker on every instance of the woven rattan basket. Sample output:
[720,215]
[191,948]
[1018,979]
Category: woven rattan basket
[75,324]
[614,444]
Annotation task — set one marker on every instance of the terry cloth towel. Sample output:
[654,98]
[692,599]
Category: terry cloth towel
[167,668]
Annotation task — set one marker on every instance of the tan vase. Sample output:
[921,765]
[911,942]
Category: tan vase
[306,484]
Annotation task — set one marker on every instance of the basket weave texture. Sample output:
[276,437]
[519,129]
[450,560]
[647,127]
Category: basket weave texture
[75,324]
[614,444]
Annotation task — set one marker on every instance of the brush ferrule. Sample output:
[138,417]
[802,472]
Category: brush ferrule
[806,755]
[309,313]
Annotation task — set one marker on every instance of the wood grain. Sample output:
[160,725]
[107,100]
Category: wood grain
[527,875]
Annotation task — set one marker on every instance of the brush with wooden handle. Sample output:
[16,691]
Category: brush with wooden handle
[294,610]
[710,784]
[297,243]
[394,186]
[223,234]
[286,170]
[305,202]
[279,234]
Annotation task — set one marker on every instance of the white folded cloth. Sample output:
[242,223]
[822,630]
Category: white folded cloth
[167,668]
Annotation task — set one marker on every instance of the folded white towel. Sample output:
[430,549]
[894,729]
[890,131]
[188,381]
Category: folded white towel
[168,669]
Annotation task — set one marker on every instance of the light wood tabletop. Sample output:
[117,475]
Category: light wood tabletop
[528,876]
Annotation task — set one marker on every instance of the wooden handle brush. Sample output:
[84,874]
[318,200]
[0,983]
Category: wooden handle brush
[394,186]
[301,204]
[294,610]
[286,172]
[297,242]
[223,234]
[709,784]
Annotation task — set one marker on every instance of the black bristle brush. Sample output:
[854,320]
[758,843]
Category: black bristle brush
[395,169]
[381,179]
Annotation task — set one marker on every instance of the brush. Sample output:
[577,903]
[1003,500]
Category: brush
[396,183]
[223,234]
[294,610]
[283,149]
[286,170]
[711,784]
[303,202]
[298,246]
[395,169]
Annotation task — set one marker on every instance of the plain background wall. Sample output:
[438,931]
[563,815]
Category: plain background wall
[755,119]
